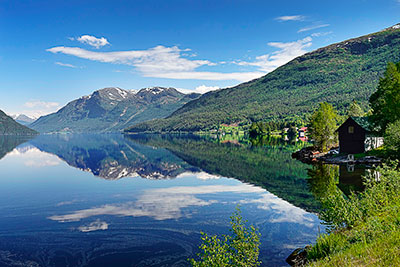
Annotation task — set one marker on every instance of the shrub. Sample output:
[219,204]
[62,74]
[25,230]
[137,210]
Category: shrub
[239,249]
[392,136]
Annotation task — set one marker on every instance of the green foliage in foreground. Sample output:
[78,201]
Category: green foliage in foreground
[323,125]
[365,228]
[240,249]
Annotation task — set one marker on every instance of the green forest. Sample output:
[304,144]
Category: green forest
[337,74]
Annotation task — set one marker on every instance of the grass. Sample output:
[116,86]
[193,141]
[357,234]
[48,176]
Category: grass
[380,152]
[364,229]
[382,249]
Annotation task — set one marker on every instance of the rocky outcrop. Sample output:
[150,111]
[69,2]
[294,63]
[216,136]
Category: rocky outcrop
[298,257]
[308,154]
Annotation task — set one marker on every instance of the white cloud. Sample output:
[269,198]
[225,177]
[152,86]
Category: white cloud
[93,41]
[37,108]
[286,52]
[158,62]
[94,226]
[159,59]
[170,62]
[204,89]
[34,104]
[65,65]
[291,18]
[313,27]
[212,76]
[319,34]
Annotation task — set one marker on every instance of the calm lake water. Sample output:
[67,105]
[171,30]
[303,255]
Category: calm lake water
[112,200]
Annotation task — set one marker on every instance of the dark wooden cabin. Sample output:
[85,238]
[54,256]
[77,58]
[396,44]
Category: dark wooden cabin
[352,135]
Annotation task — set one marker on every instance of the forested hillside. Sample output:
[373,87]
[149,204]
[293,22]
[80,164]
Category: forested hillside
[10,127]
[338,74]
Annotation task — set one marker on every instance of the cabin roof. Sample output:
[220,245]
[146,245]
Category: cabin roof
[361,121]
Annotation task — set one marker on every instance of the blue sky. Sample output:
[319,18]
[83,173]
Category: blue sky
[52,52]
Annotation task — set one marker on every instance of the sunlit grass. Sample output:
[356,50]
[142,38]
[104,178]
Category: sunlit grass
[365,228]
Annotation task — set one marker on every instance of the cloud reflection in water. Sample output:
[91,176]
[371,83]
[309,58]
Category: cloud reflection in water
[167,203]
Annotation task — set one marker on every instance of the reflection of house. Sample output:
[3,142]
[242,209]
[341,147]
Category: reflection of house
[350,178]
[355,136]
[302,131]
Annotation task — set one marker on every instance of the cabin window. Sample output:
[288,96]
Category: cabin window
[351,129]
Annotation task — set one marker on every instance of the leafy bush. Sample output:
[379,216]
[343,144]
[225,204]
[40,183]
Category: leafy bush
[239,249]
[392,136]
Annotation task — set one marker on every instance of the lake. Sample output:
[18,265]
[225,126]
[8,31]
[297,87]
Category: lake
[142,200]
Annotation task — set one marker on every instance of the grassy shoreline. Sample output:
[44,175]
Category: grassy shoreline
[364,229]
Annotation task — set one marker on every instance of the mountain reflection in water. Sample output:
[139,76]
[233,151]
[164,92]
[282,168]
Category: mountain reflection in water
[52,214]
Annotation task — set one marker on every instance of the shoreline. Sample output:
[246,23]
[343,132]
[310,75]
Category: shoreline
[309,155]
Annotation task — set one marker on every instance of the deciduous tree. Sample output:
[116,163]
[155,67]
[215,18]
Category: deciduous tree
[385,102]
[323,125]
[355,110]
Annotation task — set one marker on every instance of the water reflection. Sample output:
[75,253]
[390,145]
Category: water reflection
[94,226]
[329,179]
[55,215]
[265,162]
[323,180]
[159,204]
[268,165]
[112,156]
[34,157]
[9,142]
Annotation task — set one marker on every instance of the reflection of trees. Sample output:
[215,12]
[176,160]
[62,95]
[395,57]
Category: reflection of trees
[273,141]
[323,180]
[267,164]
[9,142]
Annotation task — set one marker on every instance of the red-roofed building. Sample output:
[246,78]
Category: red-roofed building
[302,132]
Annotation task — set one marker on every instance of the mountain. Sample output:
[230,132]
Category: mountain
[113,109]
[23,119]
[338,73]
[10,127]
